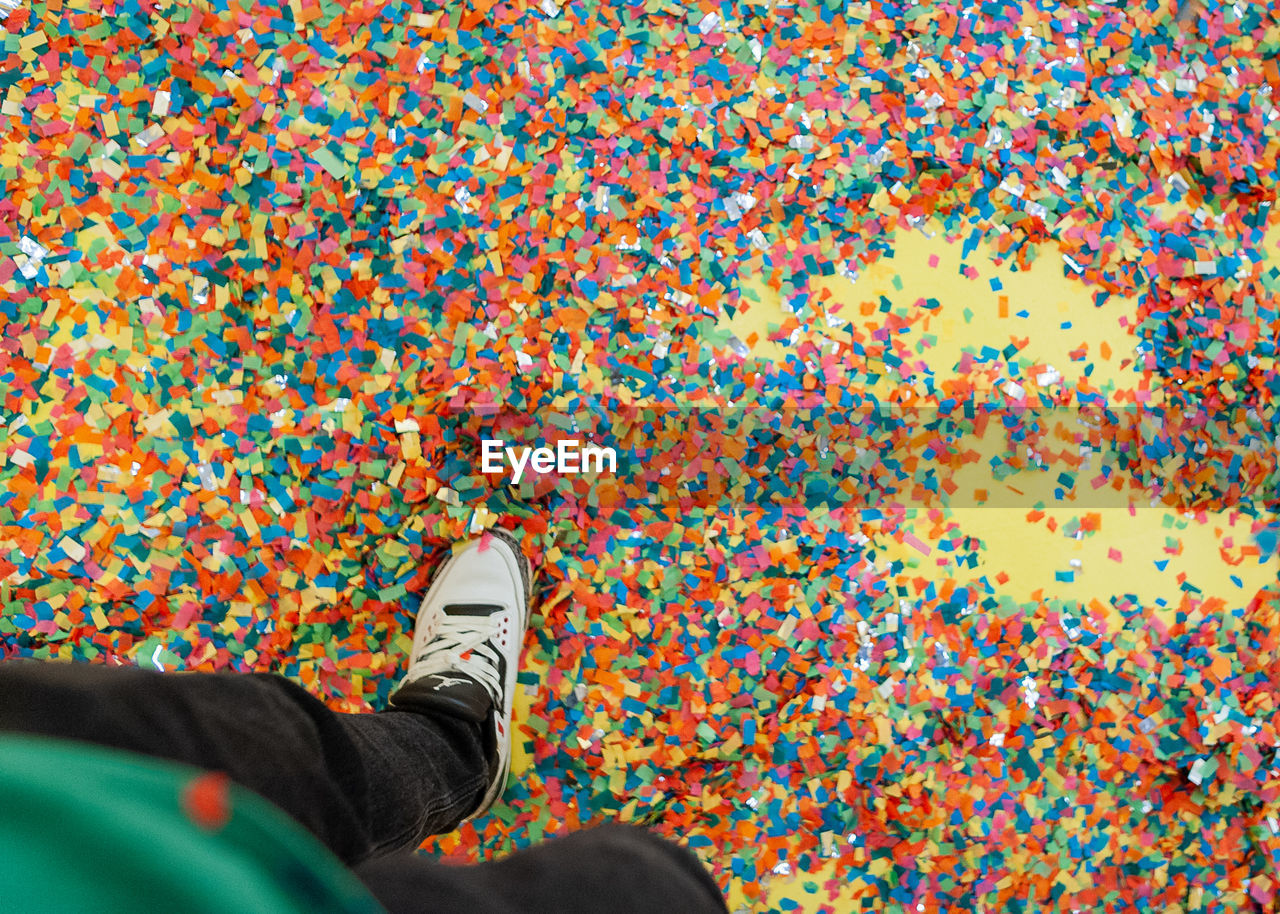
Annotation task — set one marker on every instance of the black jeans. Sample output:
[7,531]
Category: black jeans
[371,787]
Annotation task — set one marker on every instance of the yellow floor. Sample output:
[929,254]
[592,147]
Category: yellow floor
[1021,551]
[1029,552]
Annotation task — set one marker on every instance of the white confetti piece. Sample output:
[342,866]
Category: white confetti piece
[32,248]
[149,136]
[73,548]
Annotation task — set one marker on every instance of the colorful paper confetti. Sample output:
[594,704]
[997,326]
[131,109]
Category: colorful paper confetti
[269,272]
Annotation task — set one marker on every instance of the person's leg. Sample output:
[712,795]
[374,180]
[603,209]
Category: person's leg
[618,868]
[365,784]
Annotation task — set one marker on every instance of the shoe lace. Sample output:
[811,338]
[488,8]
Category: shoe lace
[464,644]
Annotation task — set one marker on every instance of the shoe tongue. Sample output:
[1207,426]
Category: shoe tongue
[452,692]
[472,609]
[453,681]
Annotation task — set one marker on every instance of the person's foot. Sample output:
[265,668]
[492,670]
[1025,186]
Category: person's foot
[466,646]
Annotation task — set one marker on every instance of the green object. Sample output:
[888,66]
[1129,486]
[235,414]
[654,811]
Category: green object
[83,828]
[332,163]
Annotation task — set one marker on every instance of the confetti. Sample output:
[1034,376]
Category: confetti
[270,273]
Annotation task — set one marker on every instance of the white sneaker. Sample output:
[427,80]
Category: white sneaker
[466,645]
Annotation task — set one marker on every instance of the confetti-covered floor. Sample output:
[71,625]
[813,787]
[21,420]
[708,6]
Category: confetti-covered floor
[937,343]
